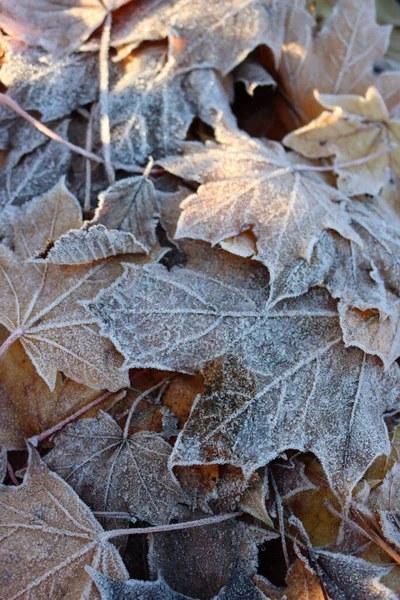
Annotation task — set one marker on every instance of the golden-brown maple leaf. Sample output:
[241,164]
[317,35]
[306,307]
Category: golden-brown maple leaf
[47,537]
[27,406]
[354,128]
[41,304]
[338,60]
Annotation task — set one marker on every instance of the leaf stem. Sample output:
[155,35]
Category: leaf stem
[11,339]
[36,439]
[57,138]
[174,527]
[137,402]
[89,141]
[11,474]
[104,79]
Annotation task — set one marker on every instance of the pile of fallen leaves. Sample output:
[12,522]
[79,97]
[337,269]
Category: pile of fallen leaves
[199,300]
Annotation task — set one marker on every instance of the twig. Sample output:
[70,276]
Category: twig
[103,100]
[136,403]
[11,474]
[115,515]
[36,439]
[107,535]
[89,141]
[57,138]
[281,521]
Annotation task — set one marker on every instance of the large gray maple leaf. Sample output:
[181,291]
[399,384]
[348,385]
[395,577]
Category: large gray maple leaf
[283,378]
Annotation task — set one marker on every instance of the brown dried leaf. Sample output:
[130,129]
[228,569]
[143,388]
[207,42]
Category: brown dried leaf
[283,380]
[58,27]
[3,463]
[41,304]
[114,472]
[248,185]
[338,60]
[219,36]
[355,128]
[47,537]
[198,562]
[253,499]
[27,406]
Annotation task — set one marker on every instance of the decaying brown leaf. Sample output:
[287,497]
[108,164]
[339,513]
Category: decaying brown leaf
[41,304]
[45,525]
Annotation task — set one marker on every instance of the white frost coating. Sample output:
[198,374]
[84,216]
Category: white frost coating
[114,474]
[56,534]
[218,35]
[133,589]
[82,246]
[283,378]
[54,87]
[251,185]
[151,106]
[44,300]
[131,206]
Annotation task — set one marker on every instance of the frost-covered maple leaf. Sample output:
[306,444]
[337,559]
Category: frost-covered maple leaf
[283,378]
[40,304]
[251,186]
[54,535]
[116,472]
[354,128]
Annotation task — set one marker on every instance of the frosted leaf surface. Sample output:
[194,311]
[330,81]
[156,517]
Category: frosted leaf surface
[34,169]
[131,206]
[80,246]
[54,87]
[151,107]
[280,372]
[58,27]
[114,473]
[42,302]
[338,60]
[3,463]
[218,35]
[365,278]
[253,75]
[198,562]
[351,578]
[133,589]
[54,535]
[247,185]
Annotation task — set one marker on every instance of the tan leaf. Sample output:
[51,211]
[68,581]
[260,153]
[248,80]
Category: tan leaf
[58,27]
[248,185]
[253,499]
[220,37]
[41,304]
[27,406]
[338,60]
[48,536]
[355,128]
[281,378]
[116,472]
